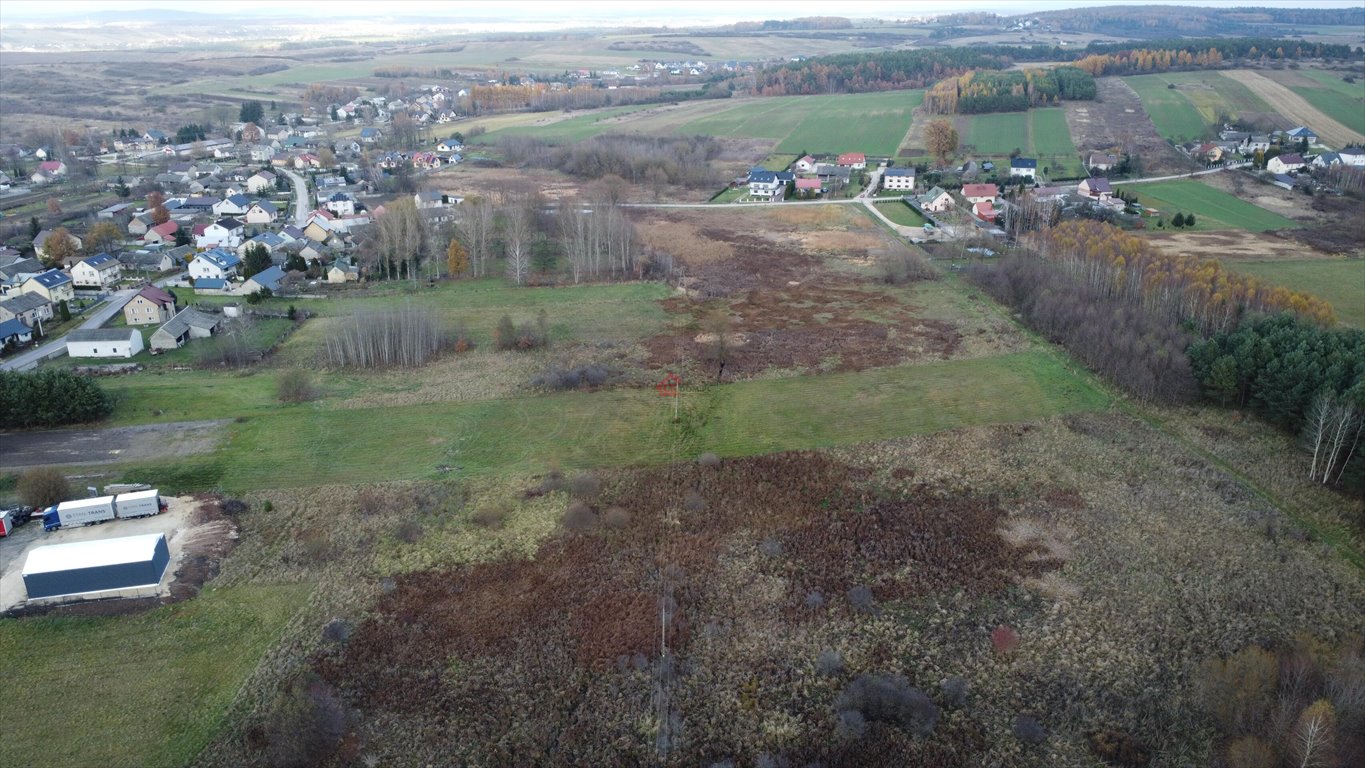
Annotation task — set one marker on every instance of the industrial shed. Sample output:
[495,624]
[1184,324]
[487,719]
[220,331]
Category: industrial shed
[88,568]
[104,342]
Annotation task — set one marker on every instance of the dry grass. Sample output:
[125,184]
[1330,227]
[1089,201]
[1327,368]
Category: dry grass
[681,237]
[1296,108]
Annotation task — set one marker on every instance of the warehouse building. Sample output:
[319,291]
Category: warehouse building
[98,568]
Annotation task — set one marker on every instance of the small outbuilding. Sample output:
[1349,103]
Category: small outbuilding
[96,568]
[104,342]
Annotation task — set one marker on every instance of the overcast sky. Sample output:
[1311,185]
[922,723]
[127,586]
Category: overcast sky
[621,11]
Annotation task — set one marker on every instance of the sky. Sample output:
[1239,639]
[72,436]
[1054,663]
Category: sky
[619,11]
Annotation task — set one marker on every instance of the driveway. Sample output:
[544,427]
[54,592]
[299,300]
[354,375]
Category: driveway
[300,197]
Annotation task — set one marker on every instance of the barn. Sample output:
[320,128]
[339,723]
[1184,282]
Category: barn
[104,342]
[96,568]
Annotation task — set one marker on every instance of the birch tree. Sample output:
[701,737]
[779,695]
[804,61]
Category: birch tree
[517,234]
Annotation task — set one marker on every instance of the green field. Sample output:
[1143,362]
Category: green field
[901,213]
[1340,100]
[1039,133]
[273,447]
[1173,115]
[146,690]
[1213,208]
[565,131]
[1339,281]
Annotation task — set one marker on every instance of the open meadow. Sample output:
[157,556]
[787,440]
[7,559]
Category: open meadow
[1042,134]
[1340,281]
[1213,208]
[1176,119]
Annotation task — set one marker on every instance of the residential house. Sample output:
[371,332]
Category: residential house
[430,199]
[54,285]
[13,274]
[13,332]
[343,271]
[765,185]
[898,179]
[855,160]
[1026,167]
[984,210]
[100,271]
[266,280]
[188,323]
[1254,143]
[1096,189]
[291,234]
[804,165]
[150,306]
[270,241]
[1101,161]
[808,187]
[224,233]
[154,136]
[139,224]
[236,205]
[262,212]
[53,168]
[161,233]
[1353,156]
[261,182]
[370,135]
[40,242]
[1283,181]
[215,264]
[307,160]
[936,200]
[28,308]
[104,342]
[450,145]
[1301,133]
[1326,160]
[1285,163]
[834,176]
[199,206]
[341,204]
[980,193]
[316,251]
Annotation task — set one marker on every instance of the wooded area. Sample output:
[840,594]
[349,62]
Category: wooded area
[1012,91]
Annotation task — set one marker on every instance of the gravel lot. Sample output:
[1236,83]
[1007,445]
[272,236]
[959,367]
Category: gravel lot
[108,445]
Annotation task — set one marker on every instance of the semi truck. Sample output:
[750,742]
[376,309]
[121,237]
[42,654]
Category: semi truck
[13,517]
[98,510]
[81,512]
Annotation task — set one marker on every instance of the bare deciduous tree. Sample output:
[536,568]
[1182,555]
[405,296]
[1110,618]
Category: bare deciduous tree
[516,234]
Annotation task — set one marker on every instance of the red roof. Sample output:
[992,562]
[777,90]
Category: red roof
[807,183]
[156,295]
[51,165]
[166,229]
[984,210]
[851,158]
[979,190]
[200,229]
[1290,159]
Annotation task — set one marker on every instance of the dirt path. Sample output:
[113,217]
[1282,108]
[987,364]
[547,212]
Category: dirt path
[108,445]
[1294,107]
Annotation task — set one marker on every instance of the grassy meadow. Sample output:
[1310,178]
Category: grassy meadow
[1213,208]
[1339,281]
[1173,115]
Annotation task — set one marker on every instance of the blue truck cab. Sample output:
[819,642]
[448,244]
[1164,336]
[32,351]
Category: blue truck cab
[51,521]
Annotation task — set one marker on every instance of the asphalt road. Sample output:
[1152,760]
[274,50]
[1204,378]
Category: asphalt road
[300,197]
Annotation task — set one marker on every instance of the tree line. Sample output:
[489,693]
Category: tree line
[1301,377]
[1201,292]
[1013,91]
[681,161]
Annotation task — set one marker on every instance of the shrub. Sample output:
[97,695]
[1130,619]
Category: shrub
[889,699]
[770,547]
[579,517]
[336,631]
[829,662]
[584,376]
[1120,748]
[489,517]
[693,502]
[409,531]
[1028,730]
[708,460]
[615,518]
[43,487]
[862,600]
[1004,639]
[955,690]
[295,385]
[302,724]
[814,599]
[384,338]
[585,484]
[903,266]
[1251,752]
[509,336]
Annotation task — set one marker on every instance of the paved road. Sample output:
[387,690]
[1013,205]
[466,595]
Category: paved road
[95,318]
[1151,179]
[301,206]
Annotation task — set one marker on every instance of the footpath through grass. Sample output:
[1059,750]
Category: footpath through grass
[1213,208]
[311,445]
[1340,281]
[146,691]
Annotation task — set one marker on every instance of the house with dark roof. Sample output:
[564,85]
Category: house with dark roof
[28,308]
[262,212]
[1096,189]
[1026,167]
[236,205]
[268,279]
[898,179]
[215,264]
[40,241]
[53,285]
[100,271]
[13,333]
[150,306]
[1285,163]
[188,323]
[224,233]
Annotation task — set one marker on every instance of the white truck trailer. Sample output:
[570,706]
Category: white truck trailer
[80,512]
[138,504]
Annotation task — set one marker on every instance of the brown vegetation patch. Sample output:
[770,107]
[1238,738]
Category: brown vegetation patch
[682,239]
[596,596]
[1117,120]
[808,327]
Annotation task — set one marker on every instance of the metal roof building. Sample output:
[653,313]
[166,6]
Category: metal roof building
[87,568]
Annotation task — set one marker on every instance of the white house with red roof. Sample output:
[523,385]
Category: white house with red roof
[980,193]
[855,160]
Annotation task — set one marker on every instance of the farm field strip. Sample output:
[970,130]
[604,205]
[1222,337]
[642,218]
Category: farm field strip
[1339,281]
[1301,111]
[1206,202]
[1173,115]
[311,446]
